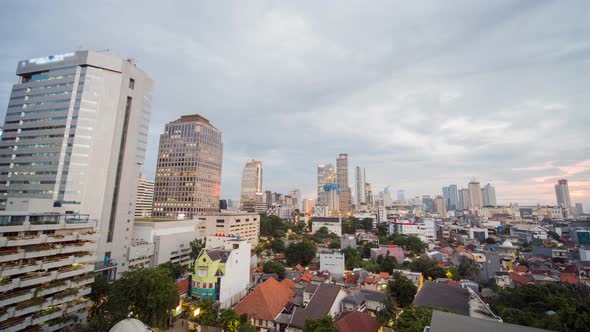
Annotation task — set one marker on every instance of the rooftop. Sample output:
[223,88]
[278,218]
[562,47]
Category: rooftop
[448,322]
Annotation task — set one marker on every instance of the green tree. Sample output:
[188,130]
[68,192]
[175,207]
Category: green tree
[229,320]
[100,292]
[453,273]
[300,253]
[149,293]
[413,319]
[402,290]
[352,259]
[469,269]
[367,224]
[207,314]
[274,267]
[245,324]
[428,267]
[196,246]
[387,312]
[324,324]
[175,270]
[277,245]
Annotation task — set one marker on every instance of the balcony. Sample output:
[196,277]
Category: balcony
[88,236]
[7,284]
[29,306]
[23,241]
[16,297]
[52,287]
[77,305]
[61,237]
[73,270]
[40,251]
[15,324]
[47,314]
[36,278]
[79,246]
[84,258]
[57,261]
[68,295]
[15,267]
[82,280]
[58,324]
[11,255]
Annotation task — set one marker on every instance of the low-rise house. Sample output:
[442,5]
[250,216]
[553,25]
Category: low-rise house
[528,232]
[264,304]
[326,300]
[503,279]
[450,322]
[388,250]
[356,321]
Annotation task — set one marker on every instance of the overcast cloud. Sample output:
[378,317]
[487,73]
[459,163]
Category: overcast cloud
[420,94]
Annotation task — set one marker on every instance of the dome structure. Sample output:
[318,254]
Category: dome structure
[130,325]
[507,244]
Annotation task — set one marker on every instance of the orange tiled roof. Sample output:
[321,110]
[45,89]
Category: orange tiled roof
[384,275]
[289,283]
[523,280]
[300,268]
[520,269]
[570,278]
[266,301]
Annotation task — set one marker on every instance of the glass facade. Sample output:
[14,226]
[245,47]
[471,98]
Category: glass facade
[188,174]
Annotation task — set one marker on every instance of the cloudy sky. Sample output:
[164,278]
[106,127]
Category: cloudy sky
[421,95]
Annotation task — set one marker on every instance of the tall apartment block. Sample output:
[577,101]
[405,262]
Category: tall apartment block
[342,182]
[360,186]
[46,270]
[488,195]
[474,195]
[252,197]
[145,197]
[188,174]
[562,194]
[74,140]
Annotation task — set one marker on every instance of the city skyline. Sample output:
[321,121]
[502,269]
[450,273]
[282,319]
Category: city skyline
[412,113]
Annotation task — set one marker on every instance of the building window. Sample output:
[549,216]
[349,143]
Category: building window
[131,83]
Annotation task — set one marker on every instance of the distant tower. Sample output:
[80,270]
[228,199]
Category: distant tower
[342,182]
[401,195]
[144,198]
[453,197]
[252,195]
[488,194]
[360,186]
[475,194]
[326,175]
[562,193]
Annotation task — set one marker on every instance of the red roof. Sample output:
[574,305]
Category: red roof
[523,280]
[182,286]
[570,278]
[384,275]
[289,283]
[354,321]
[371,280]
[300,268]
[520,269]
[306,276]
[266,301]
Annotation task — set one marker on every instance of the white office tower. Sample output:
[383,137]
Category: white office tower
[74,140]
[360,187]
[488,194]
[145,197]
[474,195]
[562,193]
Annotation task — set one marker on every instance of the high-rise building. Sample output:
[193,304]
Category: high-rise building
[488,194]
[447,197]
[441,208]
[464,202]
[251,186]
[342,182]
[326,175]
[562,193]
[401,195]
[453,197]
[474,195]
[75,137]
[579,209]
[360,187]
[333,199]
[369,194]
[188,174]
[145,197]
[296,197]
[386,196]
